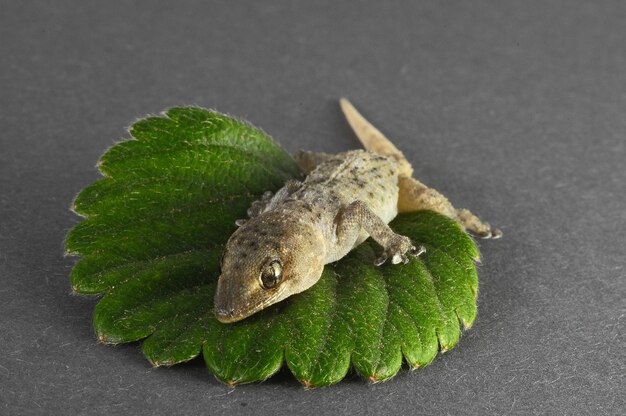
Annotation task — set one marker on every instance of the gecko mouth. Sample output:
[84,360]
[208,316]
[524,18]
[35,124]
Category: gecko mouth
[230,314]
[226,316]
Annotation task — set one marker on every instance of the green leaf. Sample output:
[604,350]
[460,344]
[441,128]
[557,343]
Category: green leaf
[154,230]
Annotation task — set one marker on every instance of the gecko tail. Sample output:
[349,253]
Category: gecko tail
[413,195]
[372,139]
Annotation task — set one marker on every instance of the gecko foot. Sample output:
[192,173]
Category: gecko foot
[493,233]
[496,233]
[398,249]
[259,205]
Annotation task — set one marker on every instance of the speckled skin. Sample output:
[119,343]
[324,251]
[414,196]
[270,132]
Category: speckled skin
[342,180]
[345,198]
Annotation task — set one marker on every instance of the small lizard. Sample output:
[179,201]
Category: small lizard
[282,248]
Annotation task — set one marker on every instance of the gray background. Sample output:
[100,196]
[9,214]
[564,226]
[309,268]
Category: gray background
[516,110]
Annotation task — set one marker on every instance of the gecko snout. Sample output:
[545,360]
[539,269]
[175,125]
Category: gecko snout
[225,315]
[268,259]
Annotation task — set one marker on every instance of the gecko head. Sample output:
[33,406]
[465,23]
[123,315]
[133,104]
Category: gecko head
[268,259]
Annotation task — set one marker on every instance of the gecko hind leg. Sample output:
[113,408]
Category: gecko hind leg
[358,217]
[476,226]
[415,196]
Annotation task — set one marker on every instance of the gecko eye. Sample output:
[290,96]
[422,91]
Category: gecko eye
[271,274]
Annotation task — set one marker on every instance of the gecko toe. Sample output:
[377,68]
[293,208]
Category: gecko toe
[398,249]
[496,233]
[493,233]
[381,260]
[398,258]
[416,251]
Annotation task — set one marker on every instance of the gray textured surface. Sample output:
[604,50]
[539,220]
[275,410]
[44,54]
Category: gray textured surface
[515,110]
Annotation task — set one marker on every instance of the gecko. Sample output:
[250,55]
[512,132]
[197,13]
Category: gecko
[288,237]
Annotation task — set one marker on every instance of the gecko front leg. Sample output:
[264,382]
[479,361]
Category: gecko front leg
[358,217]
[256,208]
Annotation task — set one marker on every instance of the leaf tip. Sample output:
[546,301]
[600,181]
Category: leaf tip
[167,362]
[474,252]
[101,165]
[75,209]
[306,383]
[69,252]
[377,378]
